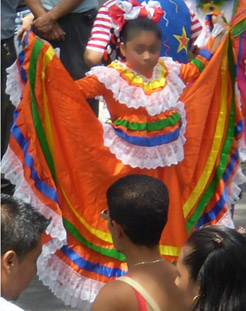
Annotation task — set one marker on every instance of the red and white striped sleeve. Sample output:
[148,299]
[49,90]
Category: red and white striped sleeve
[196,29]
[100,34]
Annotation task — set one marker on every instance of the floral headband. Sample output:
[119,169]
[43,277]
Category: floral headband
[125,10]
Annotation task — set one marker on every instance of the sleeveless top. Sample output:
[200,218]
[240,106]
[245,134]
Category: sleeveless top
[143,297]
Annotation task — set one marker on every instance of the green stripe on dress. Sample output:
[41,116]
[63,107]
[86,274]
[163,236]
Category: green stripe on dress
[149,126]
[239,28]
[113,253]
[35,113]
[225,153]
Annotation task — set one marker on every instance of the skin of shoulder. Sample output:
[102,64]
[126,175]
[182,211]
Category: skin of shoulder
[115,296]
[118,296]
[159,282]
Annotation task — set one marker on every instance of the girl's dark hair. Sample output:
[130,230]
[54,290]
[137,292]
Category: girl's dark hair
[218,261]
[139,203]
[129,30]
[133,27]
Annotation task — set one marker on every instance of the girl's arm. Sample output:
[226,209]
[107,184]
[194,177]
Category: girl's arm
[191,71]
[90,87]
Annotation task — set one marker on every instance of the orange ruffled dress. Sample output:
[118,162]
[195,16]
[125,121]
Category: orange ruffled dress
[63,159]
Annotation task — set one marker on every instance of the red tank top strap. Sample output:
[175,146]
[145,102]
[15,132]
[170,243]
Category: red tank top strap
[142,306]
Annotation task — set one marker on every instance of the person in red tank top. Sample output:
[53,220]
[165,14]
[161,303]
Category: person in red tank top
[136,215]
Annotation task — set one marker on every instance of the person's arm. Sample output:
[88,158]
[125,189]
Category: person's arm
[48,29]
[26,25]
[93,58]
[191,71]
[46,22]
[100,36]
[90,87]
[218,20]
[36,7]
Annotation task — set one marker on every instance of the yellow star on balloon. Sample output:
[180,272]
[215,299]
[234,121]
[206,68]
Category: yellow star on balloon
[183,40]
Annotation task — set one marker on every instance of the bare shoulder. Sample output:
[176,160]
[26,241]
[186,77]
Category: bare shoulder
[159,282]
[115,296]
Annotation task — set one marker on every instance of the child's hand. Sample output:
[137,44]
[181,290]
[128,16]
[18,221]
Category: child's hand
[26,25]
[219,19]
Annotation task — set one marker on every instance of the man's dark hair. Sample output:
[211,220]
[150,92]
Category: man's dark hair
[139,203]
[134,26]
[21,226]
[218,261]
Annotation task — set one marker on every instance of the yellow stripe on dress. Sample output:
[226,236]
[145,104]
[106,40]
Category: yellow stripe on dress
[218,139]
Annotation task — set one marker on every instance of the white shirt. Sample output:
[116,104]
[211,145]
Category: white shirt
[8,306]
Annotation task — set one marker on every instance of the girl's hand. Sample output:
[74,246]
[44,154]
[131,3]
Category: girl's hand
[219,19]
[26,25]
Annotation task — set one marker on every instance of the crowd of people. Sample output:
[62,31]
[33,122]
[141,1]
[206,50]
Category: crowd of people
[163,170]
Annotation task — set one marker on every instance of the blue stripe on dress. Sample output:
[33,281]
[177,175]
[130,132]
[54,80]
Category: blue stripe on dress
[28,159]
[214,212]
[89,266]
[21,58]
[230,167]
[239,128]
[150,141]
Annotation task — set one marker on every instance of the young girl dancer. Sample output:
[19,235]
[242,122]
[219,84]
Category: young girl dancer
[142,95]
[63,159]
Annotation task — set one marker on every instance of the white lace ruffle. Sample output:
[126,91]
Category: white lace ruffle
[233,193]
[74,289]
[242,149]
[14,84]
[226,220]
[134,97]
[65,283]
[233,188]
[161,101]
[13,170]
[145,157]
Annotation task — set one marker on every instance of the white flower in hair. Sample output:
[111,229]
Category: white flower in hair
[132,11]
[124,10]
[150,7]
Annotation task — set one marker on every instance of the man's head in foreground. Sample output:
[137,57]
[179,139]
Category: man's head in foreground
[21,230]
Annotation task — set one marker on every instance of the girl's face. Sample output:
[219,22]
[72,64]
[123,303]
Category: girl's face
[142,52]
[189,287]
